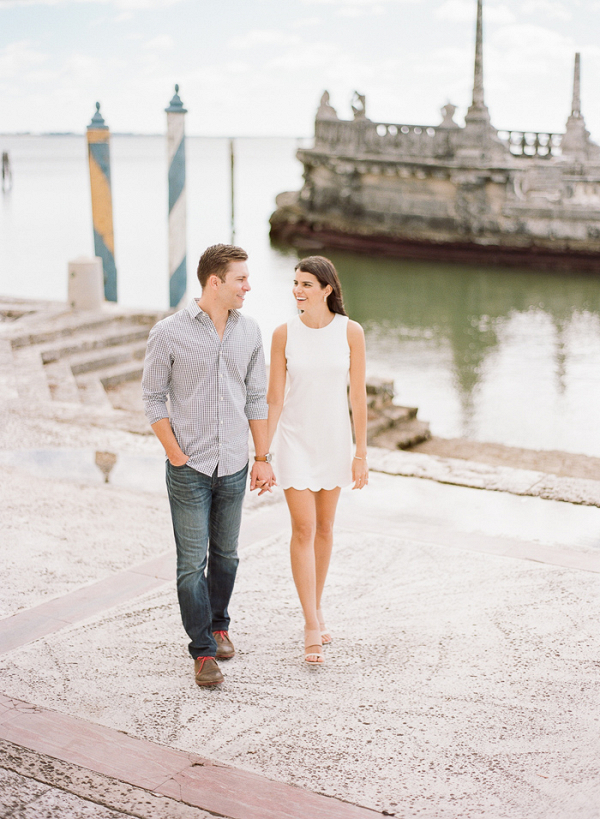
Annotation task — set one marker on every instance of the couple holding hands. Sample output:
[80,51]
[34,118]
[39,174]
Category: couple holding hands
[208,360]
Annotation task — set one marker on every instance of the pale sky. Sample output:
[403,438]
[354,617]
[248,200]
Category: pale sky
[259,67]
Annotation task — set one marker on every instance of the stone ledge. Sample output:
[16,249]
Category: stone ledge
[104,791]
[479,475]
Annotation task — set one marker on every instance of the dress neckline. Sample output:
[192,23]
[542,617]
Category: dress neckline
[316,329]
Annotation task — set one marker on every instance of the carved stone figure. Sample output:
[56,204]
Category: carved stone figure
[359,106]
[326,110]
[448,112]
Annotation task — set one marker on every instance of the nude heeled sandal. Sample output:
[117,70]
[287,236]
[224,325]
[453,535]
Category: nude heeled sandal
[312,638]
[325,635]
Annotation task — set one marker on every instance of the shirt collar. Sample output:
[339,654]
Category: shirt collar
[196,312]
[193,308]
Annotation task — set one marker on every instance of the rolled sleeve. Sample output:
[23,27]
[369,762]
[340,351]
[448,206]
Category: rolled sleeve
[256,407]
[156,379]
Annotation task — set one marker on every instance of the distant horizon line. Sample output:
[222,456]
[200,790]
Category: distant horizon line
[134,134]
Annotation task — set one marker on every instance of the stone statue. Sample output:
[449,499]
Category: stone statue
[448,112]
[359,106]
[326,110]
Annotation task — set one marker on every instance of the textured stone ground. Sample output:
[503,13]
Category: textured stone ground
[459,684]
[463,680]
[565,464]
[29,799]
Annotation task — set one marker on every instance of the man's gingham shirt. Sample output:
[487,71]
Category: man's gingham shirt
[215,386]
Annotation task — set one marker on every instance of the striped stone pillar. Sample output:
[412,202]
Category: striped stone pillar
[177,210]
[98,137]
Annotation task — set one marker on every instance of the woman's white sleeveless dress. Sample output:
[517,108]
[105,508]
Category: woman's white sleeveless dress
[313,444]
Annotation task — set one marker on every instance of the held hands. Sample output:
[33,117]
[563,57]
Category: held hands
[262,477]
[360,473]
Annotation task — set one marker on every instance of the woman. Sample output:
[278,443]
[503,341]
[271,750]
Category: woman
[317,350]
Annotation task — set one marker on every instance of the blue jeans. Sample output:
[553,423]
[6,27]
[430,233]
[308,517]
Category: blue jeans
[205,509]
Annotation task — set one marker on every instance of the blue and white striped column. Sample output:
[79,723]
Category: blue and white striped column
[177,209]
[98,137]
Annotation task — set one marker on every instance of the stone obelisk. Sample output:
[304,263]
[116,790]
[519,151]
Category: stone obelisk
[479,138]
[576,143]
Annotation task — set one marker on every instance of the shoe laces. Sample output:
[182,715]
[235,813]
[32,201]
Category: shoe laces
[204,659]
[224,635]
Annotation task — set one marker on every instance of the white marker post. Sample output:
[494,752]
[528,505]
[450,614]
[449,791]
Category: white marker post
[177,207]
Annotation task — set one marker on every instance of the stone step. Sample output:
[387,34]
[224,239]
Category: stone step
[32,384]
[92,392]
[70,324]
[61,381]
[93,360]
[114,335]
[380,393]
[403,435]
[118,373]
[386,417]
[8,376]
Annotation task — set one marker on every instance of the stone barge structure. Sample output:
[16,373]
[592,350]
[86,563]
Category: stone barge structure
[471,193]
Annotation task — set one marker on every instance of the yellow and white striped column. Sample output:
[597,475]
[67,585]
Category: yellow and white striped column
[98,136]
[177,208]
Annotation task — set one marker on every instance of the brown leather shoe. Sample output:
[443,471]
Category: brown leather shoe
[225,649]
[207,672]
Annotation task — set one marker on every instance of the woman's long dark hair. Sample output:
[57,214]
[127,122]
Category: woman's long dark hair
[323,270]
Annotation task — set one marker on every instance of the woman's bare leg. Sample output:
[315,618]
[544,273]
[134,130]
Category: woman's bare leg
[326,504]
[302,508]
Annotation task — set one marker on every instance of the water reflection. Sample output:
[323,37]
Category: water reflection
[105,462]
[145,473]
[493,354]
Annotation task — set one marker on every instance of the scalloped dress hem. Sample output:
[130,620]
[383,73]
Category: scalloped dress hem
[317,489]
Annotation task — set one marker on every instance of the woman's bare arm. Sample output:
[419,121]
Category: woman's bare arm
[277,374]
[358,402]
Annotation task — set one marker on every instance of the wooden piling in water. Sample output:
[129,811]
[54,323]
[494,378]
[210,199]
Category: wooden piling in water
[177,203]
[98,138]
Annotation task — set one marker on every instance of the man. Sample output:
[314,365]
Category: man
[209,360]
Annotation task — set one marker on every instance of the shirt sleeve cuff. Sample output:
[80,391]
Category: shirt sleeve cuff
[155,412]
[258,411]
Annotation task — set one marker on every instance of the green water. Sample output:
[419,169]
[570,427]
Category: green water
[493,354]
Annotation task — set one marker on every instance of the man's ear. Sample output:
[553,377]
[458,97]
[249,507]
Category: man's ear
[214,281]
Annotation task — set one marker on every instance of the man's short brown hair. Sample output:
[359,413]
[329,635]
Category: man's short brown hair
[215,261]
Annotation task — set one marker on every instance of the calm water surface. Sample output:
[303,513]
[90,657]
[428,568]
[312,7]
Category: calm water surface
[490,354]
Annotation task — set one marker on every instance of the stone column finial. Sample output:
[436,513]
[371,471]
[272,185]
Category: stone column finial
[576,143]
[576,104]
[478,101]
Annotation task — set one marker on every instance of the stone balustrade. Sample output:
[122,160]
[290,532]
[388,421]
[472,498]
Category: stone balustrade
[397,140]
[394,140]
[533,144]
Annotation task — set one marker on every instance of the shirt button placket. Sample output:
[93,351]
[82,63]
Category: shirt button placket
[220,392]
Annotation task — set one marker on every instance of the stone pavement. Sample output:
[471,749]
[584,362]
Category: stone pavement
[462,682]
[463,679]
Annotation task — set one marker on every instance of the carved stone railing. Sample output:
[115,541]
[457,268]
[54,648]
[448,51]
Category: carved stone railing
[532,144]
[399,141]
[393,140]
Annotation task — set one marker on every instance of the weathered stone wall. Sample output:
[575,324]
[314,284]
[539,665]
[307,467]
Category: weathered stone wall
[520,202]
